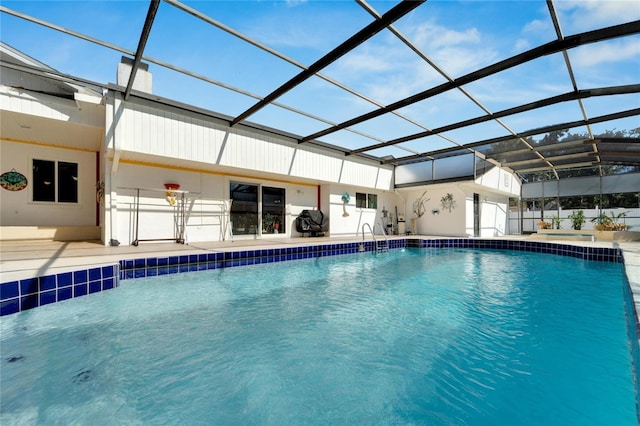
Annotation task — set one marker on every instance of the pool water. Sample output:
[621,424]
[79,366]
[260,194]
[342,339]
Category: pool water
[438,337]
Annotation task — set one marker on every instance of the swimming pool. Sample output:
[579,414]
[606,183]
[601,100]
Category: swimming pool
[437,336]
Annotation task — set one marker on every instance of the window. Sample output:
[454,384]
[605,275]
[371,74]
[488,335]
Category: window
[366,201]
[372,201]
[55,181]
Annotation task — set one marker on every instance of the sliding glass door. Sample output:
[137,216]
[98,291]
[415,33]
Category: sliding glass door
[251,202]
[244,208]
[273,211]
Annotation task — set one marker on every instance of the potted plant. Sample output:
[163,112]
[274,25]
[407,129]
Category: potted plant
[556,222]
[602,222]
[577,219]
[610,223]
[617,226]
[239,222]
[544,225]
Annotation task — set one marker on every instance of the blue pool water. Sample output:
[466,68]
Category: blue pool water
[438,337]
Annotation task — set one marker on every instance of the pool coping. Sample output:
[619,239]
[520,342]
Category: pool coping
[22,294]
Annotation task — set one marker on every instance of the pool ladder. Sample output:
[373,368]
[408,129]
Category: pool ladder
[382,245]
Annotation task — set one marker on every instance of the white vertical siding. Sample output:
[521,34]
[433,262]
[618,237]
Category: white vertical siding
[50,107]
[160,132]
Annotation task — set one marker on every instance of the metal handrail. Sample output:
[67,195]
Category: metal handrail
[373,235]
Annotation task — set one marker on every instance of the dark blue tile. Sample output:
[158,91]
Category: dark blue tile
[107,271]
[193,267]
[193,258]
[163,261]
[152,261]
[152,272]
[139,263]
[65,293]
[211,257]
[128,264]
[95,286]
[128,274]
[28,302]
[163,270]
[65,279]
[108,283]
[140,273]
[80,277]
[202,258]
[48,283]
[173,269]
[8,307]
[95,274]
[174,260]
[79,290]
[184,268]
[9,290]
[48,297]
[28,286]
[184,259]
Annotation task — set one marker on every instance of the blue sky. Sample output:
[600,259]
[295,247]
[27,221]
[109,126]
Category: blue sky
[459,37]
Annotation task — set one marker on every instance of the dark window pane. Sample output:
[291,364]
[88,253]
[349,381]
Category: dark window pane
[273,210]
[244,208]
[67,182]
[44,184]
[361,200]
[372,201]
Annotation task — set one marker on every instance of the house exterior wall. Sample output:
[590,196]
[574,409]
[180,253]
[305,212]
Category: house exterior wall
[17,207]
[347,219]
[205,209]
[438,220]
[147,146]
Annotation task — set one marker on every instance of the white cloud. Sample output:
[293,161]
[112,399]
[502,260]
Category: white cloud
[432,36]
[293,3]
[521,44]
[388,71]
[581,15]
[537,26]
[614,51]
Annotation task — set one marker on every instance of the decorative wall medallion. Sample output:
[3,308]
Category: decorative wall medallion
[13,181]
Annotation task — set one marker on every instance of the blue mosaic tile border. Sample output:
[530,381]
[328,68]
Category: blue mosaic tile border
[16,296]
[154,266]
[29,293]
[599,254]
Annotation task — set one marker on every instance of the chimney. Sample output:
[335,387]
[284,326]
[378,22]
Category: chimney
[143,81]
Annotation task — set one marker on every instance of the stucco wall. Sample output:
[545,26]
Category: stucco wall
[439,220]
[18,209]
[205,203]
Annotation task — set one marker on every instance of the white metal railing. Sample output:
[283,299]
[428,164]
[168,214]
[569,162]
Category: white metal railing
[379,248]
